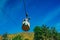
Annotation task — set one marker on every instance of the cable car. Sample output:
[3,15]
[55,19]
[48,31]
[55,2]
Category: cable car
[26,23]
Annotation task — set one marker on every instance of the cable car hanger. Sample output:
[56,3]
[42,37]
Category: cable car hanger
[25,9]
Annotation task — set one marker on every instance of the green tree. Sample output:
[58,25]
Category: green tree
[26,39]
[45,32]
[38,33]
[18,37]
[54,34]
[58,36]
[5,36]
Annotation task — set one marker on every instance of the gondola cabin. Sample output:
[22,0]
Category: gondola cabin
[26,24]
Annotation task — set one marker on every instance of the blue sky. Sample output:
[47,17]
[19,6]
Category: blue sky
[40,11]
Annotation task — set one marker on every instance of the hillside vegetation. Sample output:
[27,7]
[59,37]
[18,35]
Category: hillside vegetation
[39,33]
[24,35]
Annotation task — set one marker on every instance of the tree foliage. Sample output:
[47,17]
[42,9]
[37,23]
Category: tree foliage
[45,33]
[26,39]
[5,36]
[18,37]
